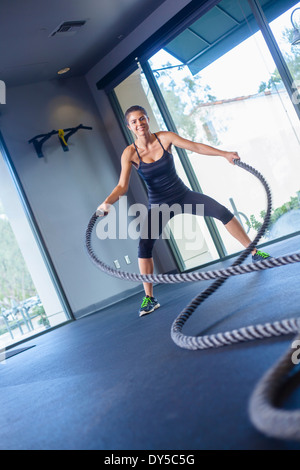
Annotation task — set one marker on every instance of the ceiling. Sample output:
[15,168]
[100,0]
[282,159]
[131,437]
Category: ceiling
[29,55]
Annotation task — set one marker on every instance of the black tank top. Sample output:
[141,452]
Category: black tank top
[162,181]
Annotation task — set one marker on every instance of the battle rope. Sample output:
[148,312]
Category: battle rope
[266,416]
[247,333]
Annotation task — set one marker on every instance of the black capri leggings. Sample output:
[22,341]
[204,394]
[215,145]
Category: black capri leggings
[159,215]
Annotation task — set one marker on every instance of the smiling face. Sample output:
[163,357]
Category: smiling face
[138,123]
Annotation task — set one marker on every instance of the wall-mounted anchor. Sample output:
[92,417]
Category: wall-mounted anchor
[39,143]
[63,138]
[40,139]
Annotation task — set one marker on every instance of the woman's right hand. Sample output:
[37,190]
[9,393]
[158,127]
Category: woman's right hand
[103,209]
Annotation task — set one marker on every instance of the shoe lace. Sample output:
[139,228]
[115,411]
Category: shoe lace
[262,254]
[145,302]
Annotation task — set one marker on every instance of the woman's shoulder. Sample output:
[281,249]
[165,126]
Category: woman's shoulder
[128,152]
[162,133]
[166,138]
[129,156]
[166,135]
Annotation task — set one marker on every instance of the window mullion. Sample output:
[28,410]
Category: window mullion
[275,51]
[193,180]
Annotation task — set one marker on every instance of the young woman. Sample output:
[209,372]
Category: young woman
[151,155]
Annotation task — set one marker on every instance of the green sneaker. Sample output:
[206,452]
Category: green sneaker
[146,307]
[260,256]
[155,302]
[149,304]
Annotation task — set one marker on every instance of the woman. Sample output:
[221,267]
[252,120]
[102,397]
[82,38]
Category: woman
[150,155]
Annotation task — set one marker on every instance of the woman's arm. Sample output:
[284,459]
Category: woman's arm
[197,147]
[122,185]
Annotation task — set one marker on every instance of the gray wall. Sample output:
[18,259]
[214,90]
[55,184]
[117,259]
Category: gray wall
[164,261]
[163,258]
[64,188]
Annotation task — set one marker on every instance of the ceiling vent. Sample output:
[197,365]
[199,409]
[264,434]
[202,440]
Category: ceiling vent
[68,28]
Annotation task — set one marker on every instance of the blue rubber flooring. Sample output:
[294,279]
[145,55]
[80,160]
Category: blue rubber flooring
[115,381]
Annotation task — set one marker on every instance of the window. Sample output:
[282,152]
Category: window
[237,101]
[221,86]
[30,303]
[135,89]
[283,30]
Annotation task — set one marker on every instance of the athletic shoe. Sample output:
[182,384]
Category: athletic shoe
[149,304]
[260,256]
[146,307]
[155,302]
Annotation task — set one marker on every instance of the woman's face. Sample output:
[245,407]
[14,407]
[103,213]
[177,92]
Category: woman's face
[138,123]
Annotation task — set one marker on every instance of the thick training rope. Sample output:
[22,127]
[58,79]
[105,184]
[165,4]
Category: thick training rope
[284,327]
[264,414]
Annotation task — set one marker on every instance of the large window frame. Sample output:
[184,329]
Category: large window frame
[140,58]
[4,153]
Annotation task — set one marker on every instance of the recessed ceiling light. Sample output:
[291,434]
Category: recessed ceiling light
[65,70]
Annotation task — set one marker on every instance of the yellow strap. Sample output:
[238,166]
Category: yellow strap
[61,136]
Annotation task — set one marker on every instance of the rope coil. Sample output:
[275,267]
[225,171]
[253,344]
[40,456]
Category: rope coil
[260,398]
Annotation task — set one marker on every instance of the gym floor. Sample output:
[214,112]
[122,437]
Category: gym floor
[115,381]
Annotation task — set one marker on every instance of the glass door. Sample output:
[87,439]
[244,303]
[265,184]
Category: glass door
[285,29]
[222,87]
[29,301]
[189,236]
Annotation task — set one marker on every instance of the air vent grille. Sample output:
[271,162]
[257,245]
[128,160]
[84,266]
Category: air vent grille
[68,28]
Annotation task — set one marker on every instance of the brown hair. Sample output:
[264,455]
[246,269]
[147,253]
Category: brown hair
[134,108]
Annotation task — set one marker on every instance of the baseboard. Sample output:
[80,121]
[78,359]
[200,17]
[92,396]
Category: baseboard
[95,308]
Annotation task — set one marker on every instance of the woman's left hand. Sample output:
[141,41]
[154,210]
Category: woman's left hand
[230,156]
